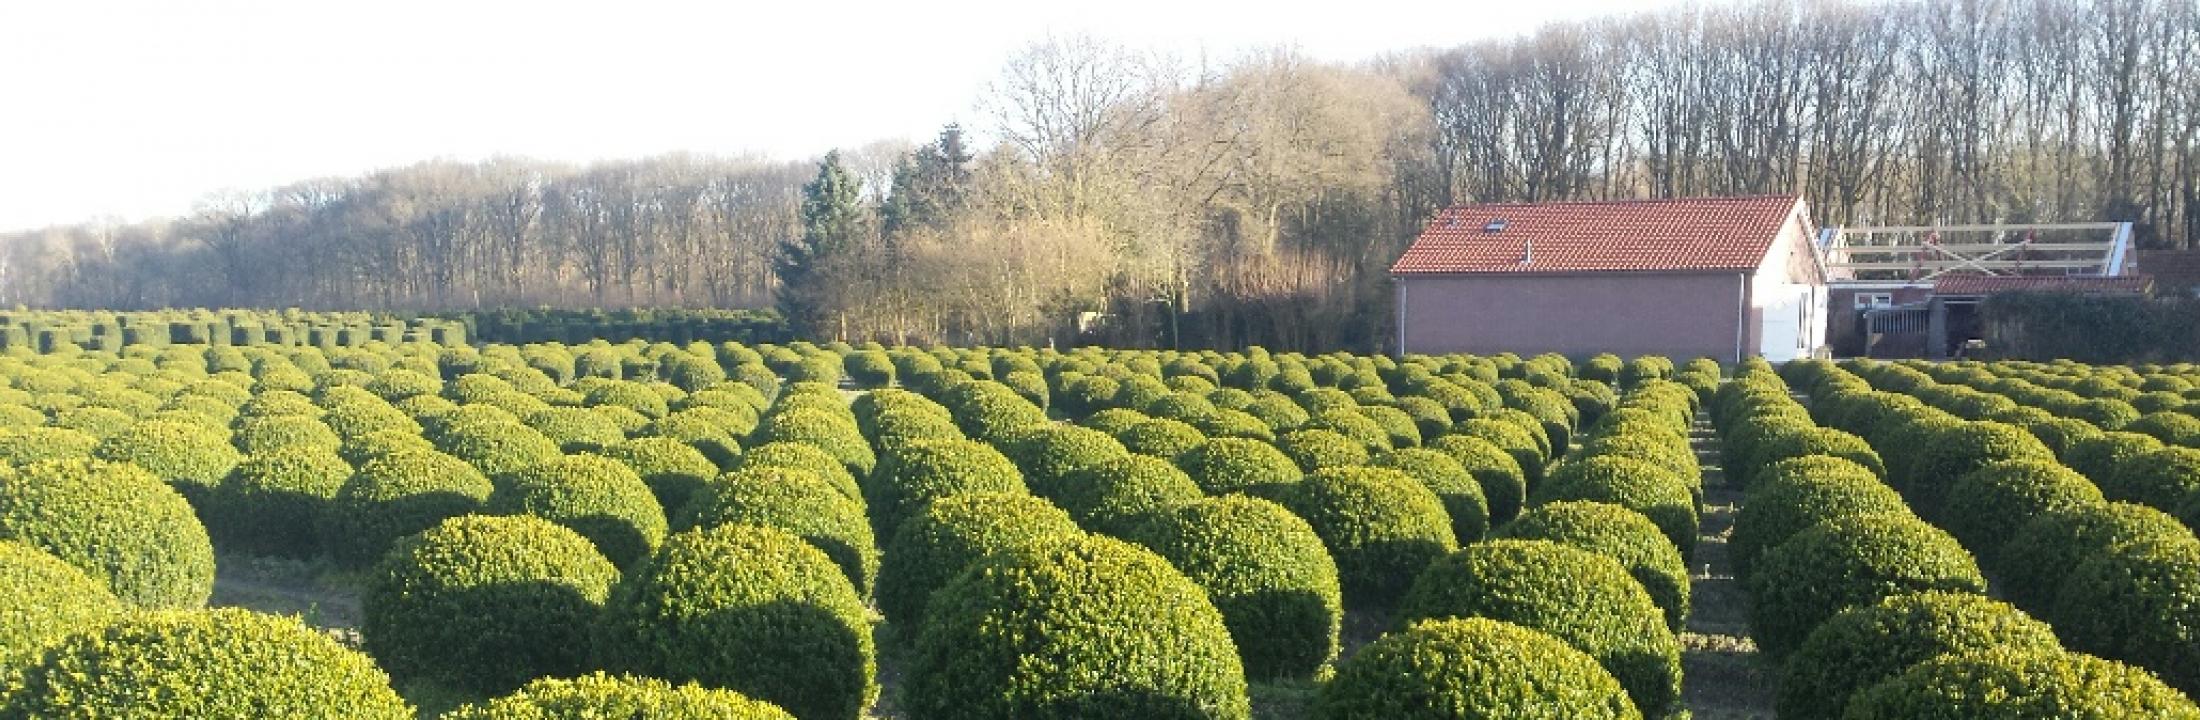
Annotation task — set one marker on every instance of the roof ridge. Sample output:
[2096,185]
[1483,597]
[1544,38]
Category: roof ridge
[1627,201]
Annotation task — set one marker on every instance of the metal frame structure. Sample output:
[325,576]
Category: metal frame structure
[1906,255]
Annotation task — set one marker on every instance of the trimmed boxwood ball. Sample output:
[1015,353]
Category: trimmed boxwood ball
[192,457]
[1351,424]
[992,415]
[672,469]
[2007,683]
[115,522]
[1622,534]
[260,434]
[1104,497]
[1504,485]
[2139,603]
[1462,495]
[1811,441]
[950,535]
[2174,428]
[806,457]
[1514,440]
[1265,570]
[1114,421]
[1315,448]
[1637,485]
[357,417]
[274,502]
[396,495]
[1799,497]
[2160,479]
[485,603]
[1229,465]
[1985,504]
[797,501]
[26,445]
[47,600]
[1049,455]
[1957,451]
[630,395]
[600,498]
[575,429]
[497,448]
[224,663]
[2049,548]
[831,433]
[1865,645]
[1600,610]
[1085,627]
[1163,439]
[1380,525]
[1472,667]
[748,608]
[1845,562]
[618,696]
[925,472]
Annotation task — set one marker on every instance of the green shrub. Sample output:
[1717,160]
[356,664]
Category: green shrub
[623,696]
[1602,611]
[925,472]
[484,603]
[1865,645]
[100,422]
[598,497]
[1801,493]
[576,429]
[1515,441]
[395,495]
[1358,427]
[2011,683]
[400,383]
[948,536]
[751,609]
[1265,570]
[115,522]
[1229,465]
[26,445]
[498,448]
[831,433]
[2097,456]
[2138,603]
[358,450]
[2160,479]
[356,418]
[47,600]
[630,395]
[205,664]
[1472,667]
[1085,627]
[1315,449]
[993,412]
[273,502]
[2173,428]
[1106,496]
[870,369]
[1381,525]
[2008,494]
[806,457]
[2041,553]
[672,469]
[1634,484]
[1114,421]
[799,502]
[192,458]
[256,435]
[1622,534]
[1845,562]
[1443,475]
[1806,442]
[1504,484]
[1049,455]
[1163,439]
[1959,450]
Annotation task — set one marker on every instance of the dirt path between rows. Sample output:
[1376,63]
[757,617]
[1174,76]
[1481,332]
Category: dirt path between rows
[1723,674]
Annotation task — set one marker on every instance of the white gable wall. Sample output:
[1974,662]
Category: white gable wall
[1788,294]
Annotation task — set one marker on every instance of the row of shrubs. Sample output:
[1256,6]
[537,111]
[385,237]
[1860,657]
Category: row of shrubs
[1868,608]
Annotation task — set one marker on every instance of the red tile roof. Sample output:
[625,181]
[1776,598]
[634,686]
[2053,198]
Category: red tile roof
[1728,234]
[1990,284]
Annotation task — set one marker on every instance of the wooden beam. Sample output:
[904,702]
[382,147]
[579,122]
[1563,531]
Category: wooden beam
[2101,248]
[1990,264]
[1975,228]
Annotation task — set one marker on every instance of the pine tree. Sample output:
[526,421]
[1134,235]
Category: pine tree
[832,225]
[929,184]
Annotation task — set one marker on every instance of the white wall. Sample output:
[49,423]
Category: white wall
[1789,294]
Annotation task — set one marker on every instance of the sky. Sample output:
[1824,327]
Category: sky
[130,109]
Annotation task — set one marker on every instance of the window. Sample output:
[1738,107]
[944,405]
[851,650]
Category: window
[1873,301]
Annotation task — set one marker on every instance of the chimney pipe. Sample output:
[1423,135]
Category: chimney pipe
[1527,251]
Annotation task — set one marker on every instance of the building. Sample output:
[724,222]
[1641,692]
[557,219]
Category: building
[1912,291]
[1723,278]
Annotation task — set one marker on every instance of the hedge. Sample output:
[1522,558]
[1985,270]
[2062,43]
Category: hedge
[2006,682]
[1602,611]
[47,600]
[2138,603]
[622,696]
[1621,534]
[1472,667]
[484,604]
[205,664]
[1845,562]
[274,502]
[925,472]
[395,495]
[751,609]
[1265,570]
[1865,645]
[115,522]
[797,501]
[948,536]
[2041,553]
[1637,485]
[1381,525]
[1085,627]
[1229,465]
[596,496]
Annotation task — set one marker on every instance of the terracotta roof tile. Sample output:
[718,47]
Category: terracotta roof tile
[1681,235]
[1990,284]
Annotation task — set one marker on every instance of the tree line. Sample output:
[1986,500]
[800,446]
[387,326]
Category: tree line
[1154,200]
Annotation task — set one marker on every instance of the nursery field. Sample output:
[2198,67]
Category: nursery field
[242,514]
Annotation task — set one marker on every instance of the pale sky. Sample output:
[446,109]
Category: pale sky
[137,108]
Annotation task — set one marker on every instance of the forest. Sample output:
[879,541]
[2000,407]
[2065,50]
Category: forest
[1160,201]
